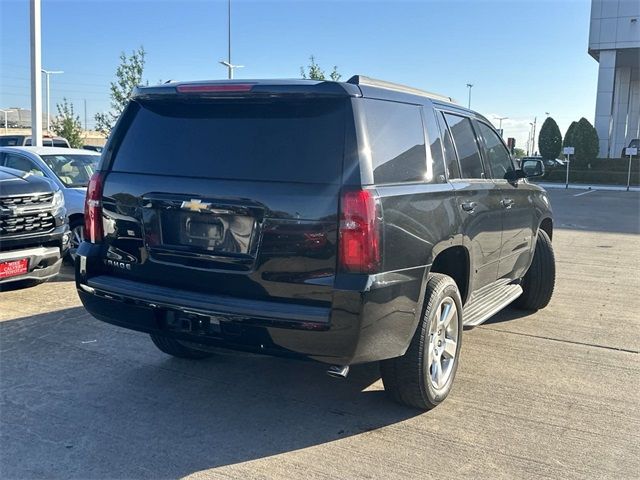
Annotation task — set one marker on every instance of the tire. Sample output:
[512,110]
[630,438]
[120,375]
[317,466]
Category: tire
[539,281]
[76,229]
[175,348]
[409,379]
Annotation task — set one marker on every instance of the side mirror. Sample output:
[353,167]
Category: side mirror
[533,168]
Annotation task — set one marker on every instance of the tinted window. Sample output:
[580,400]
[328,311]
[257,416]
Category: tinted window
[497,155]
[466,146]
[293,141]
[451,161]
[396,141]
[72,170]
[21,163]
[435,165]
[10,141]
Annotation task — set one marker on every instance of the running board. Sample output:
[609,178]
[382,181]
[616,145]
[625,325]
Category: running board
[489,300]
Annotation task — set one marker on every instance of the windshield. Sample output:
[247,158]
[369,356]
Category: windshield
[72,170]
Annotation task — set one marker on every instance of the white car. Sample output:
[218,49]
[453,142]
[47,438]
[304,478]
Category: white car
[69,168]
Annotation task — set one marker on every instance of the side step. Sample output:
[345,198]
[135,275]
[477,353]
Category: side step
[489,300]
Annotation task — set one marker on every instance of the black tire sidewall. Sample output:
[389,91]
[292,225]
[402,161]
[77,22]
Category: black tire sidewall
[448,290]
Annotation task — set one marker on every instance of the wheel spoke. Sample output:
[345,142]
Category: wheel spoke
[449,348]
[449,315]
[436,373]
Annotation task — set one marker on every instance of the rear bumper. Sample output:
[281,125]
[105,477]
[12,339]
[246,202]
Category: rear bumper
[44,263]
[370,318]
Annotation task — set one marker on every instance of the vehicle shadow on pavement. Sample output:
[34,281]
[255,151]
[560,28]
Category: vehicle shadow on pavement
[83,399]
[509,314]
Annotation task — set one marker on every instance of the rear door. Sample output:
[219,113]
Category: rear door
[478,199]
[232,197]
[518,213]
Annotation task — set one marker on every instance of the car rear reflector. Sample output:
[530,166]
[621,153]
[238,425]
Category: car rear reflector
[93,231]
[359,244]
[213,88]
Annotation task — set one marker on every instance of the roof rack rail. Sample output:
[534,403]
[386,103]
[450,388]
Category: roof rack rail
[372,82]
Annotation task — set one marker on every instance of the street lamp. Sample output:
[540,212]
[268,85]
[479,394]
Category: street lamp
[5,118]
[230,67]
[49,73]
[228,63]
[469,86]
[500,119]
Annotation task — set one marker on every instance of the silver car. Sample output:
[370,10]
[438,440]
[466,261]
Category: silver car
[69,168]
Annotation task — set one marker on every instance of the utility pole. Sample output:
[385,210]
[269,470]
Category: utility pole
[227,63]
[85,115]
[533,137]
[469,86]
[36,77]
[48,73]
[500,119]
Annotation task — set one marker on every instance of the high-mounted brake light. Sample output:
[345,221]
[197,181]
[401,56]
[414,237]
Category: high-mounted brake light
[215,87]
[93,209]
[359,244]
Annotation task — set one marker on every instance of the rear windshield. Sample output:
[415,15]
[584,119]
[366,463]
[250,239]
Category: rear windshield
[10,141]
[300,141]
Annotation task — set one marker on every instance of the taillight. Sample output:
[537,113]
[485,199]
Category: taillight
[359,244]
[93,209]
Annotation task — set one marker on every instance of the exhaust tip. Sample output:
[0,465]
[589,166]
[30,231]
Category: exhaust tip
[338,371]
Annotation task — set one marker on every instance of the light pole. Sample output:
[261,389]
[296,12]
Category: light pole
[530,142]
[500,119]
[533,137]
[5,118]
[36,77]
[469,86]
[48,73]
[227,63]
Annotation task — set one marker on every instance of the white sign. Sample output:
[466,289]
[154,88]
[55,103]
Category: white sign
[631,151]
[568,150]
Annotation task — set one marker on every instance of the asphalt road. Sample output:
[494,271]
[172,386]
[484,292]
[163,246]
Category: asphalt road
[553,394]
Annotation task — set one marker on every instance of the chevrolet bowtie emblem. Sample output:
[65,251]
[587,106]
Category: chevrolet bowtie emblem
[195,205]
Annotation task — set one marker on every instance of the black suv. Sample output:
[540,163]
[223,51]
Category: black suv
[342,222]
[33,228]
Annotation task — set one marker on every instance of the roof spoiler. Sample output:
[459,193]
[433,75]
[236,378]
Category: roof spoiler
[361,80]
[244,88]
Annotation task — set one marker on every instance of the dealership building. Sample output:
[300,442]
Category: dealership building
[614,41]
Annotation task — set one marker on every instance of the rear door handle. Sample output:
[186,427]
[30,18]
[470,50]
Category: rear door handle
[468,206]
[507,203]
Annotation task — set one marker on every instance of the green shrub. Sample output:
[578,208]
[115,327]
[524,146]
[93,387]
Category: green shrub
[592,176]
[550,139]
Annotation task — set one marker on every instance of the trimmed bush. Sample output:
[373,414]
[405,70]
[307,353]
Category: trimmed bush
[550,139]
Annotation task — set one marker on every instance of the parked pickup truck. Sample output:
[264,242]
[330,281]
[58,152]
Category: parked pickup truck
[34,232]
[342,222]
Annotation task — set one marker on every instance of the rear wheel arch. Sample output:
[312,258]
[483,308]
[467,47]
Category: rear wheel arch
[76,217]
[454,262]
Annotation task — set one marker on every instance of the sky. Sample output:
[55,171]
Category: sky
[524,58]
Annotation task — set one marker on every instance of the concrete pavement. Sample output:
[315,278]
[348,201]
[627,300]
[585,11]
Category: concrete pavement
[553,394]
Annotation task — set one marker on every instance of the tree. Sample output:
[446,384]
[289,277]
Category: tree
[128,76]
[550,139]
[583,137]
[588,143]
[519,153]
[67,124]
[315,72]
[570,137]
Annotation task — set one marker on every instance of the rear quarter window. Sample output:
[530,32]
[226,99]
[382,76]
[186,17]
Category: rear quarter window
[395,138]
[282,140]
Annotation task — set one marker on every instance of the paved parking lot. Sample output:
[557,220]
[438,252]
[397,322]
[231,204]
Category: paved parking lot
[554,394]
